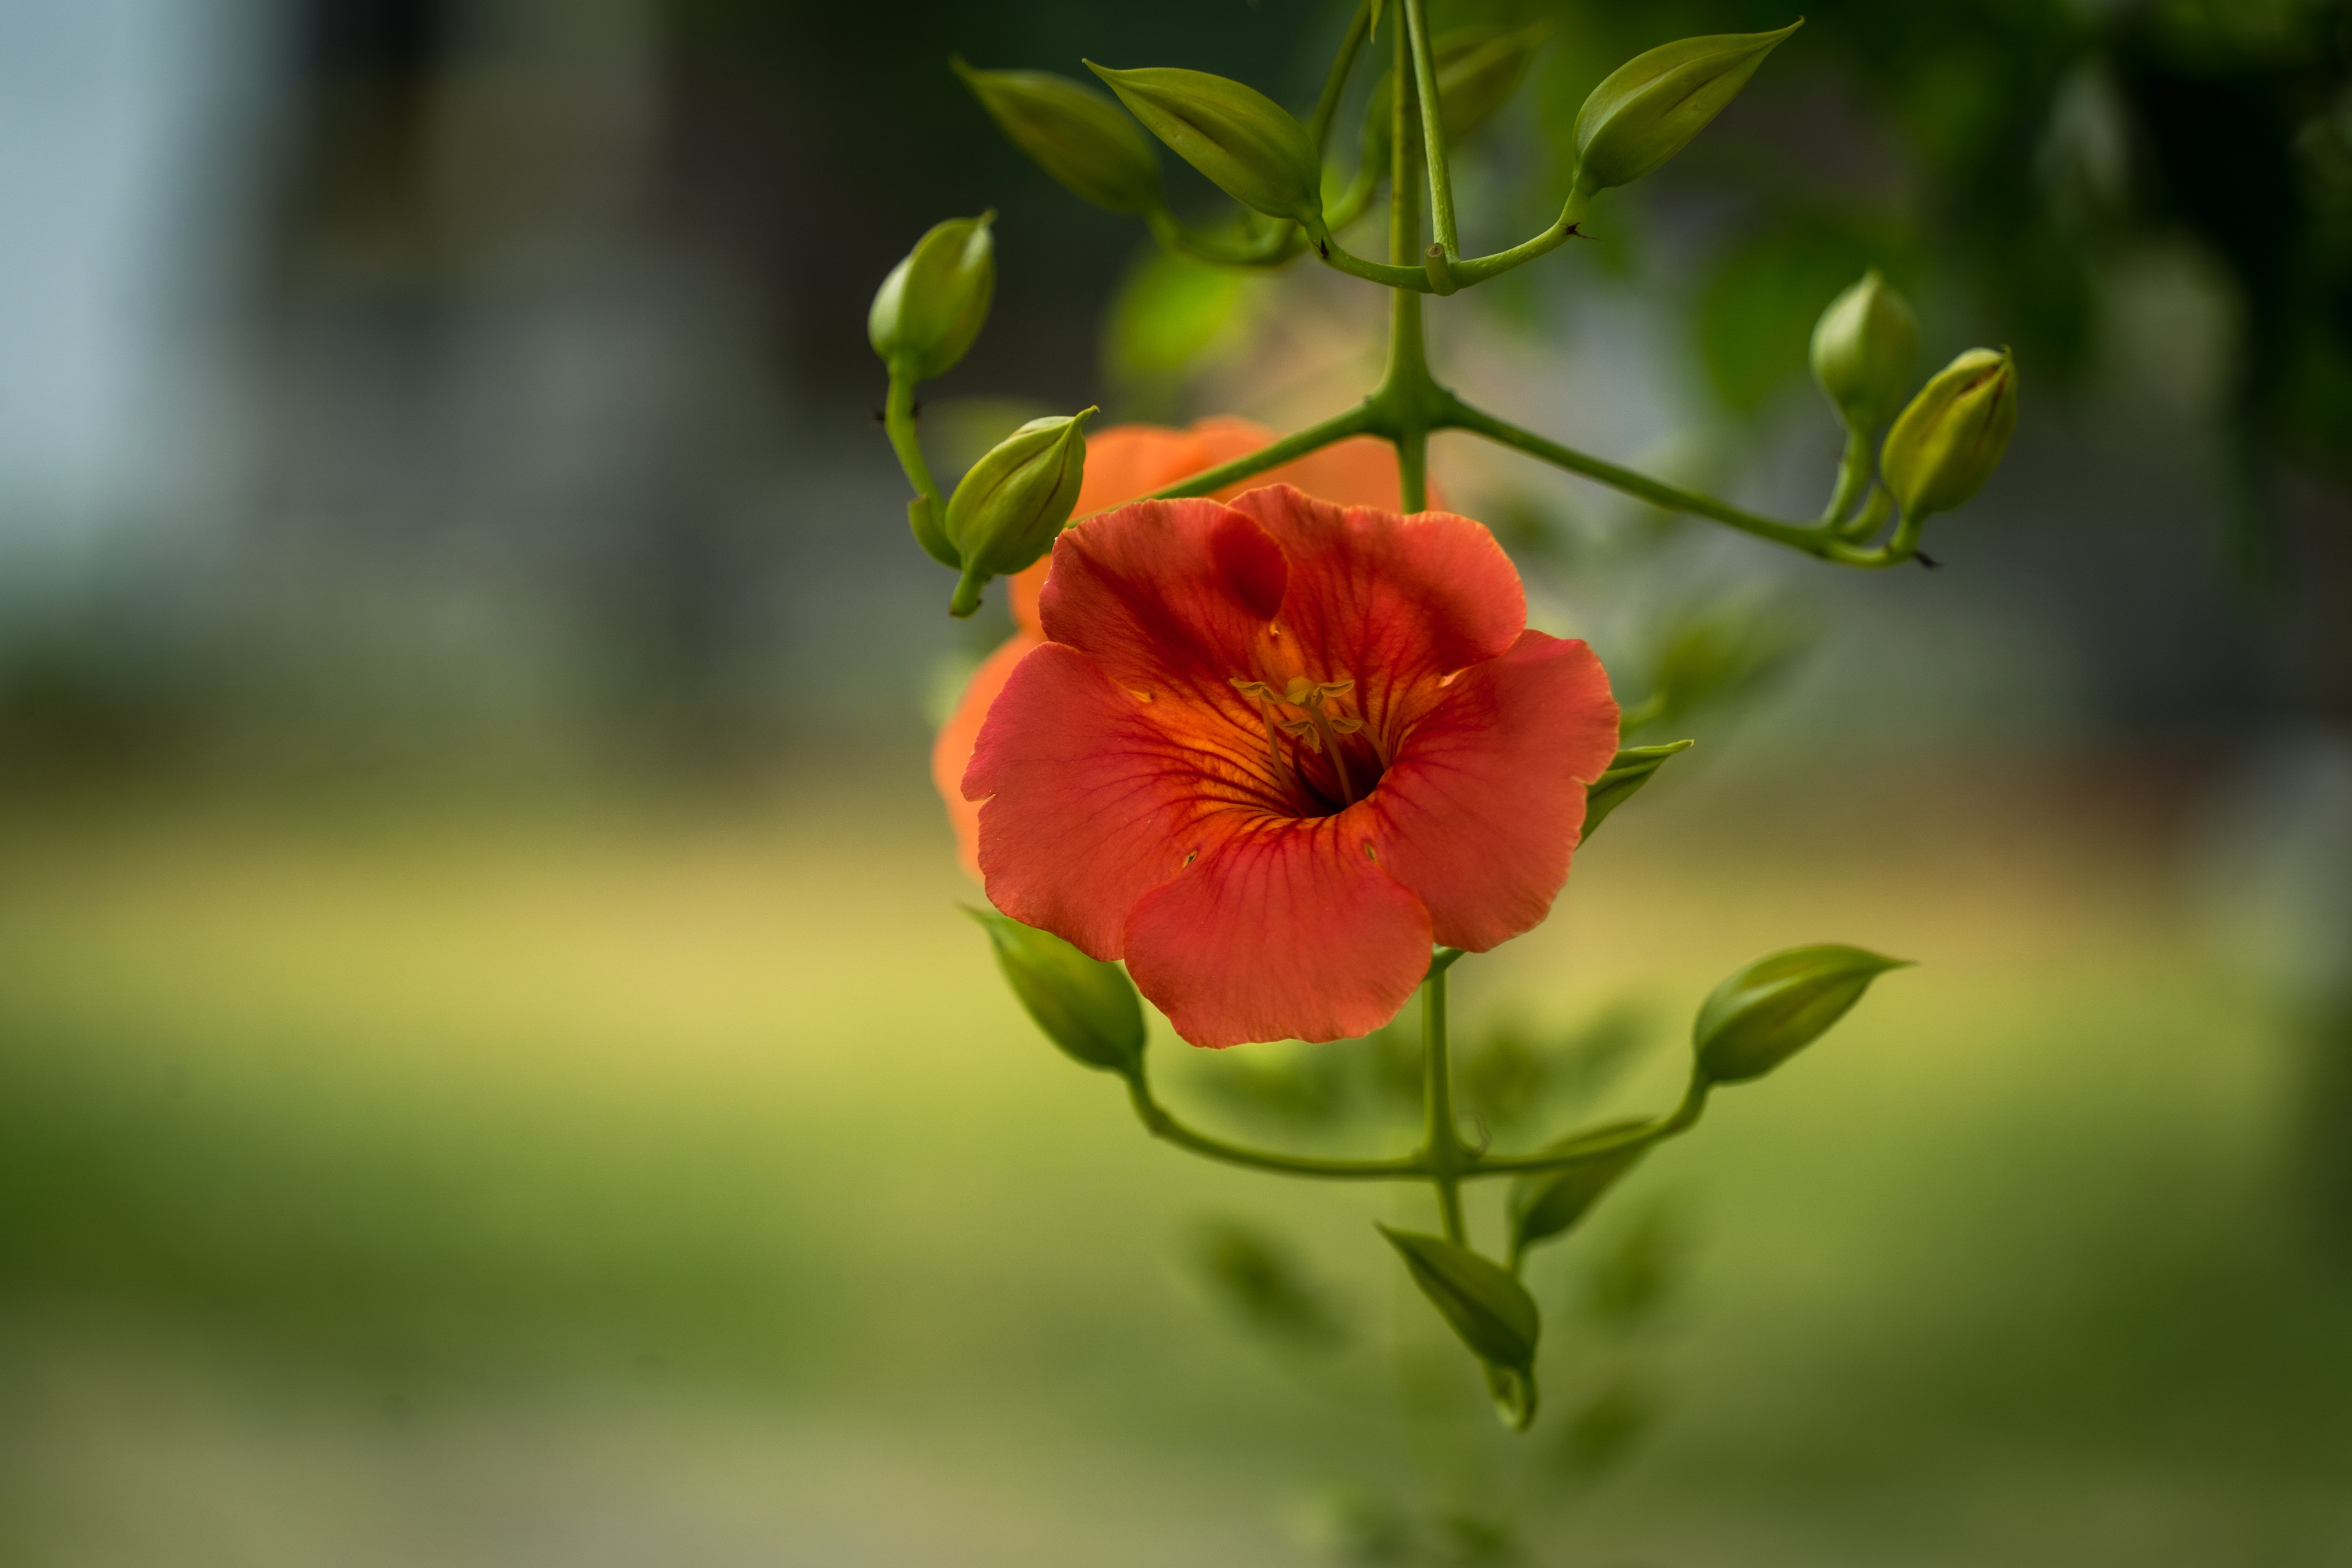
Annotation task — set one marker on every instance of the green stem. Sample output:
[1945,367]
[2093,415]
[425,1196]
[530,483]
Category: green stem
[1432,128]
[898,423]
[1277,246]
[1865,524]
[1442,1159]
[1442,1154]
[1355,421]
[927,513]
[1478,270]
[1403,396]
[1339,259]
[1576,1151]
[1812,539]
[1853,477]
[1359,28]
[1164,1126]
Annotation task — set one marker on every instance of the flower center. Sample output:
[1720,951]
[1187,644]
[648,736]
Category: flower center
[1318,726]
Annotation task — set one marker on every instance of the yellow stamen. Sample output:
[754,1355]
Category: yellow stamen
[1319,730]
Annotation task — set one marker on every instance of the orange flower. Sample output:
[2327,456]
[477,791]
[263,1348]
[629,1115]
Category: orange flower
[1123,463]
[1269,753]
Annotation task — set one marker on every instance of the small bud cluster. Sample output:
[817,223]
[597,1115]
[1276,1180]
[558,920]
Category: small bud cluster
[1947,440]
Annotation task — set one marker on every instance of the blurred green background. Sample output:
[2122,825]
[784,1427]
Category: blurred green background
[490,1071]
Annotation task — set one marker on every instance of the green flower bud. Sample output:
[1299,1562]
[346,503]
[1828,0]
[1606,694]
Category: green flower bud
[1247,144]
[1947,443]
[1488,1307]
[1649,108]
[1072,133]
[1776,1006]
[1085,1007]
[1006,513]
[1478,70]
[931,307]
[1866,346]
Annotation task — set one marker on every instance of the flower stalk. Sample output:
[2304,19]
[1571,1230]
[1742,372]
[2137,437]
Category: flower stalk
[1256,552]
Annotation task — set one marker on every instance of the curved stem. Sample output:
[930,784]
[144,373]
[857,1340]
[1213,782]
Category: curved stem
[1852,476]
[927,513]
[1339,428]
[899,424]
[1813,538]
[1164,1126]
[1359,28]
[1339,259]
[1433,127]
[1356,199]
[1441,1150]
[1865,524]
[1478,269]
[1282,242]
[1576,1151]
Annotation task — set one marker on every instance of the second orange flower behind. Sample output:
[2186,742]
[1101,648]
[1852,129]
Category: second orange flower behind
[1269,753]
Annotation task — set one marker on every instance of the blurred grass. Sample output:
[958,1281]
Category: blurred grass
[690,1156]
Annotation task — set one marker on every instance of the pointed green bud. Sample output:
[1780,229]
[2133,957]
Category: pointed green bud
[1478,70]
[1484,1303]
[931,307]
[1546,1204]
[1072,133]
[1865,347]
[1249,145]
[1005,512]
[1627,772]
[1648,109]
[1947,443]
[1085,1007]
[1776,1006]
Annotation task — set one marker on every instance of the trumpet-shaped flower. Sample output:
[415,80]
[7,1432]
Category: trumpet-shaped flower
[1125,463]
[1269,753]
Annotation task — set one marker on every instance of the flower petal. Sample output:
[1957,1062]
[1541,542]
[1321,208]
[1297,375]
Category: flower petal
[1287,930]
[1399,602]
[1171,598]
[1094,795]
[1479,812]
[1128,462]
[952,748]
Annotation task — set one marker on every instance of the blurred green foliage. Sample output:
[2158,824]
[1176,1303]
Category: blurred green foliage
[2004,155]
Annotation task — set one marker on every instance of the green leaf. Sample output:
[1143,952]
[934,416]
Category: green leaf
[1170,313]
[1085,1007]
[1486,1306]
[1777,1005]
[1260,1277]
[1546,1203]
[1712,658]
[1627,772]
[1602,1434]
[1631,1282]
